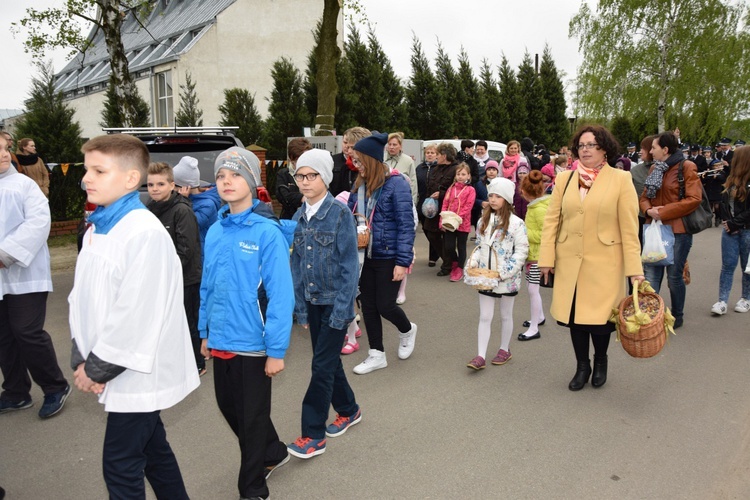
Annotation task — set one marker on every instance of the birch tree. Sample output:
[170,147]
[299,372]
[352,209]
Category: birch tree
[663,58]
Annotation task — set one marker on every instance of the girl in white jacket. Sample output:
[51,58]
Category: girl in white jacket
[503,247]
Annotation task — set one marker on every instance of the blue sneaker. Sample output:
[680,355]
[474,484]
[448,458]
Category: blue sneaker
[305,447]
[341,424]
[53,403]
[8,406]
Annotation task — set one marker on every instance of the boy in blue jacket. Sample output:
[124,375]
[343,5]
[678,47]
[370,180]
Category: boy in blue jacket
[246,260]
[325,267]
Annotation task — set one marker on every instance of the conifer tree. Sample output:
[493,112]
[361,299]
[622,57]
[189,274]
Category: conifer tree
[425,103]
[556,121]
[472,111]
[238,109]
[392,90]
[499,126]
[447,80]
[286,112]
[189,114]
[511,101]
[113,114]
[530,92]
[49,121]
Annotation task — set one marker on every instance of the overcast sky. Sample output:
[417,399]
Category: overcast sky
[485,30]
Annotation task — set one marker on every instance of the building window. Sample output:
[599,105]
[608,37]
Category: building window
[164,103]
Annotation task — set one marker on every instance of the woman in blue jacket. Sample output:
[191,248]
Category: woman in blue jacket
[387,204]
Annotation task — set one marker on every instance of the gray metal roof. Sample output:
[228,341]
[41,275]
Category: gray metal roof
[171,29]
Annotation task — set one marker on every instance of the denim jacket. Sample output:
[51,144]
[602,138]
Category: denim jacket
[325,265]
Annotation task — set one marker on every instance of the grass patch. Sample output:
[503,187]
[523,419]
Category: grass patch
[62,240]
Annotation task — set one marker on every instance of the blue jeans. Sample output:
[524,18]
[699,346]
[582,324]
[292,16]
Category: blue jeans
[677,288]
[734,247]
[328,384]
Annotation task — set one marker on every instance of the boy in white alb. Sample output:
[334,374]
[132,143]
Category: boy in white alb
[131,344]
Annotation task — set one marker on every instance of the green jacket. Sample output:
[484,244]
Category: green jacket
[535,213]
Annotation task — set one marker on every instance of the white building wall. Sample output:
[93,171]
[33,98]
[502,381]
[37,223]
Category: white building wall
[88,108]
[237,51]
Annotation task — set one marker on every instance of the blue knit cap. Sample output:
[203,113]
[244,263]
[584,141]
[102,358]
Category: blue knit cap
[373,146]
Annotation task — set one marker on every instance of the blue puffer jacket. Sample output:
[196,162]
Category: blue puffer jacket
[392,230]
[206,207]
[247,260]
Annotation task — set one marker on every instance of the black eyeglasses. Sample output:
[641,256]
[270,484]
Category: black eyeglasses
[308,177]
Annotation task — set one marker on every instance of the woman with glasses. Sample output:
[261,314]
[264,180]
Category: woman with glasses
[32,165]
[385,201]
[590,243]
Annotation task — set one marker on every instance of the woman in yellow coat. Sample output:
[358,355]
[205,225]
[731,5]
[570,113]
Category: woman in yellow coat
[590,243]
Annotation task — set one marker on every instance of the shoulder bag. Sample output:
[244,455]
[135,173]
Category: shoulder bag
[702,217]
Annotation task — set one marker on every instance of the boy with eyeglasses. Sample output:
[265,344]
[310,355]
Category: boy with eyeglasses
[325,267]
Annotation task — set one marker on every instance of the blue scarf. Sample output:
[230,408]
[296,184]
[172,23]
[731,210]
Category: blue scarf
[105,218]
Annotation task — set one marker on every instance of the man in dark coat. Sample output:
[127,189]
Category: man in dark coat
[527,146]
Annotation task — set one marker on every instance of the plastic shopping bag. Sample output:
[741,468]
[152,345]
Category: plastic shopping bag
[658,244]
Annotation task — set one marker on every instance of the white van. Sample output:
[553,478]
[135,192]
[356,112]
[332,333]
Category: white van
[496,150]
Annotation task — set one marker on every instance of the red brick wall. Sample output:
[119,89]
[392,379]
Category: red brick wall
[64,227]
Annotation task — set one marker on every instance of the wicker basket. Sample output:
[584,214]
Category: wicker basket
[649,340]
[482,278]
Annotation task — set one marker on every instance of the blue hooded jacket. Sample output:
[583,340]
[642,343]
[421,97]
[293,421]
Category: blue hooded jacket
[206,207]
[247,260]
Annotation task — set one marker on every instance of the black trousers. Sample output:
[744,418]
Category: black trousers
[378,294]
[26,348]
[436,241]
[328,384]
[455,247]
[243,394]
[136,444]
[192,301]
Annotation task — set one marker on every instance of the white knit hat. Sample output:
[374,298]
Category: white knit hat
[502,187]
[319,160]
[186,172]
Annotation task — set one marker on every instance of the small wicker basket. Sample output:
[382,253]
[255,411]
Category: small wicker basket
[482,278]
[649,340]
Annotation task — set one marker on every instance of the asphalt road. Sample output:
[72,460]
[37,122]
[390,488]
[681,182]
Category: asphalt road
[674,426]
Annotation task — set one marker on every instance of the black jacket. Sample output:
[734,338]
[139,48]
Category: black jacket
[422,172]
[287,193]
[176,214]
[343,177]
[740,217]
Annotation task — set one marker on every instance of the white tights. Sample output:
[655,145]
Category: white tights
[486,313]
[535,300]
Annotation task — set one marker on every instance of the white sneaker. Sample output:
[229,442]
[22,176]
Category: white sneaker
[375,361]
[406,347]
[742,306]
[721,308]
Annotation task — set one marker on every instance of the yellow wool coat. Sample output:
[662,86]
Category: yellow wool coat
[597,245]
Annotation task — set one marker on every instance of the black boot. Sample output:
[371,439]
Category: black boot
[581,377]
[599,377]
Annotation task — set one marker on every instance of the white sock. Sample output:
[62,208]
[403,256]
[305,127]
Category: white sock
[486,312]
[351,332]
[402,288]
[535,299]
[506,315]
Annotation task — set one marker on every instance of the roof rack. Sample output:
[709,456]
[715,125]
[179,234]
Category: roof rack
[171,130]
